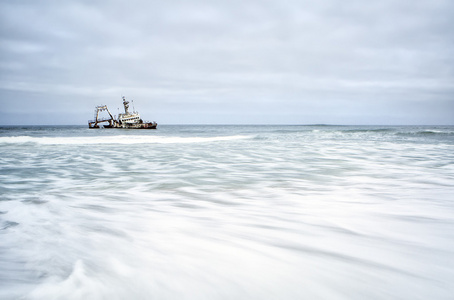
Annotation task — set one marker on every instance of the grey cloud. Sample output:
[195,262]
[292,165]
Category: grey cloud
[281,58]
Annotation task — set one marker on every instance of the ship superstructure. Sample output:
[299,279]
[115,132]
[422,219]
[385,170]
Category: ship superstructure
[126,120]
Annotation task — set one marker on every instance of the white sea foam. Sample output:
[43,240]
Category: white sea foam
[216,214]
[118,139]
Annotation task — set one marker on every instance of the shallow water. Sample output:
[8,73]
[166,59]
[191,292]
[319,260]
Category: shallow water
[227,212]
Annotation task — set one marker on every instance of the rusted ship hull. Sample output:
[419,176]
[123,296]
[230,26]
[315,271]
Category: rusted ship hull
[151,125]
[143,126]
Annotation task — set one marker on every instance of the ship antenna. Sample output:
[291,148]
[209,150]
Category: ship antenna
[133,109]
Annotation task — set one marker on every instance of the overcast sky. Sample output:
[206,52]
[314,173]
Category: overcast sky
[229,62]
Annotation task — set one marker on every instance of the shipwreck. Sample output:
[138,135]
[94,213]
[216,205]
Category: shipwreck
[128,120]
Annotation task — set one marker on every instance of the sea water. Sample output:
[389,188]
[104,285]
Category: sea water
[227,212]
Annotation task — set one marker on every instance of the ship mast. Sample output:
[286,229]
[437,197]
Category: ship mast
[126,105]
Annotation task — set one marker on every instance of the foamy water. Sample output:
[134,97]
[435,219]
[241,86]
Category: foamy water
[227,212]
[113,140]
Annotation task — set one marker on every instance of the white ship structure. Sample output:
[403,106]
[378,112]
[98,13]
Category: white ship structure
[127,120]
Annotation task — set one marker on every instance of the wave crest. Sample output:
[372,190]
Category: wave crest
[120,139]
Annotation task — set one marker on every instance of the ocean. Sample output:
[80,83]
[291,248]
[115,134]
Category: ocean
[227,212]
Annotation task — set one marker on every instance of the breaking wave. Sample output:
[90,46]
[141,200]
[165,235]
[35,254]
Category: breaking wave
[368,130]
[426,133]
[120,139]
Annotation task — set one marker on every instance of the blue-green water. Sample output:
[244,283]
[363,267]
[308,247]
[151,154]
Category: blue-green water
[227,212]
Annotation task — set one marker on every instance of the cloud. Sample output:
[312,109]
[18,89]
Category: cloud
[273,57]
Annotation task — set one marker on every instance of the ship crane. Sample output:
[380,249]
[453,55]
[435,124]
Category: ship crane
[94,123]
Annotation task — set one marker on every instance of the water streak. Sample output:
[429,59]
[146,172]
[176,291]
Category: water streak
[227,212]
